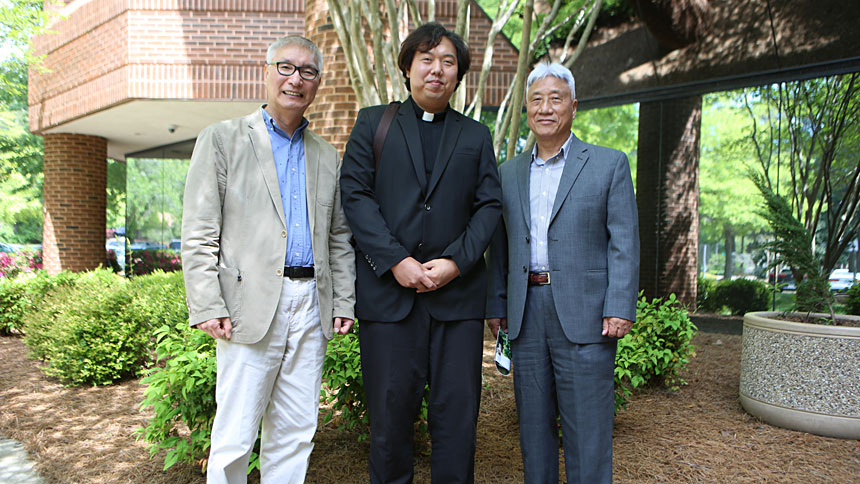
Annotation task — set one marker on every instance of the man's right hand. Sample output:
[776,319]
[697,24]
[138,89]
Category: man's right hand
[495,323]
[410,273]
[218,328]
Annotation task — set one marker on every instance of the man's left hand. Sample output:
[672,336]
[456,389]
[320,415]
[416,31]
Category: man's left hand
[441,271]
[616,327]
[342,325]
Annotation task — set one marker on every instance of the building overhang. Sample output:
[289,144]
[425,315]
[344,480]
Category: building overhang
[138,126]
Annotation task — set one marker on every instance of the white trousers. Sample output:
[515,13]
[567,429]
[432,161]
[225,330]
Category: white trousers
[276,380]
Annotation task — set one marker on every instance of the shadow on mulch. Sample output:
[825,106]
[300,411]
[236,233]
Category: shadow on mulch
[699,434]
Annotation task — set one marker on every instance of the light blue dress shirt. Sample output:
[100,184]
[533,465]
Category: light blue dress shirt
[544,177]
[289,153]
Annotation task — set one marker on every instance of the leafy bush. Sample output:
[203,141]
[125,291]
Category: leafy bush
[741,295]
[852,303]
[26,260]
[656,349]
[146,261]
[705,301]
[19,295]
[344,386]
[92,332]
[181,393]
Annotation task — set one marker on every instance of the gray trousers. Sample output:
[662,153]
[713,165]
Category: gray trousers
[552,377]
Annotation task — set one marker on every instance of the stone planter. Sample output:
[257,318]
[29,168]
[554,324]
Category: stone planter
[802,376]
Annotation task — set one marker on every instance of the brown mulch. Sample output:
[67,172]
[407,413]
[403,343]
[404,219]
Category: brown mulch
[699,434]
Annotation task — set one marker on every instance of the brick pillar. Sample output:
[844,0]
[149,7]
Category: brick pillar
[333,112]
[73,234]
[667,191]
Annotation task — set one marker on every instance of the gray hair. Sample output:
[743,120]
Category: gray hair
[297,41]
[545,69]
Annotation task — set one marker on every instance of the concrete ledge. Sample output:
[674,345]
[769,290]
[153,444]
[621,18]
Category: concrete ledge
[814,423]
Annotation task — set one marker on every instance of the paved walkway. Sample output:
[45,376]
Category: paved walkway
[15,467]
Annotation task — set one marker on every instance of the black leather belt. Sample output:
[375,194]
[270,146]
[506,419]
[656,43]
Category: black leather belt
[538,278]
[297,272]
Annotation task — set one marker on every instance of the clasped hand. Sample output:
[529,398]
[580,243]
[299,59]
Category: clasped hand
[425,277]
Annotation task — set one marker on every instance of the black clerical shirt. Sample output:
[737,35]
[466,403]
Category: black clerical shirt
[431,134]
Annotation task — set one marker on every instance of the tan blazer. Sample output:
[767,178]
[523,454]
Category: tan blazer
[234,236]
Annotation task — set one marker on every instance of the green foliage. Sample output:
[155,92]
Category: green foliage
[793,246]
[344,385]
[155,188]
[20,161]
[705,301]
[96,331]
[616,127]
[20,295]
[740,296]
[656,349]
[116,194]
[852,303]
[181,393]
[726,150]
[20,20]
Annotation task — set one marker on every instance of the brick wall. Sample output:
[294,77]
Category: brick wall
[73,234]
[106,52]
[667,191]
[333,112]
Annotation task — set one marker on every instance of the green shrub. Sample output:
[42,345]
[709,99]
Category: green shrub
[91,332]
[343,387]
[656,349]
[705,301]
[741,295]
[19,296]
[180,393]
[852,304]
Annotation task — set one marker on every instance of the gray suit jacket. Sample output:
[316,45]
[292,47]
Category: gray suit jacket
[593,243]
[234,234]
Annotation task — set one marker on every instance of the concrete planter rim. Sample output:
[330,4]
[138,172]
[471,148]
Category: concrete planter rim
[766,320]
[768,406]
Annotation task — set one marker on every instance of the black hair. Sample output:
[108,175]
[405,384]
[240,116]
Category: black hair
[424,39]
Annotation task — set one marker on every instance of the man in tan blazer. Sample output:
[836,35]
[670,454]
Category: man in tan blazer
[269,270]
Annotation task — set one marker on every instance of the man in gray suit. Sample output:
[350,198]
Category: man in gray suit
[269,270]
[564,274]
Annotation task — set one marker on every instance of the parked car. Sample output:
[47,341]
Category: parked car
[842,279]
[146,245]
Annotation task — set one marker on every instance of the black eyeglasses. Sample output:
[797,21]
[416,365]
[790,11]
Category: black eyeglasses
[286,69]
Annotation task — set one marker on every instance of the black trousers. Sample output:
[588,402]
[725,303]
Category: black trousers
[397,359]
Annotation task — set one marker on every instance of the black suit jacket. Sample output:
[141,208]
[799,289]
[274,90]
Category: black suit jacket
[398,212]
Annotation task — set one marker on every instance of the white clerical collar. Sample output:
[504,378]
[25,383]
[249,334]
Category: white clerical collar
[428,117]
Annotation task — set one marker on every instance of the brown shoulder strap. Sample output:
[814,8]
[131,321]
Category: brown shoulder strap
[382,131]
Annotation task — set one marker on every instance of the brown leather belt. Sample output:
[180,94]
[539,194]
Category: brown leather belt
[298,272]
[538,278]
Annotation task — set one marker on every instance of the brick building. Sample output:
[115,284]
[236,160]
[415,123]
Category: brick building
[138,76]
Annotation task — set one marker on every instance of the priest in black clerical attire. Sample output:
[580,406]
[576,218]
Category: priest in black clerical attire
[421,222]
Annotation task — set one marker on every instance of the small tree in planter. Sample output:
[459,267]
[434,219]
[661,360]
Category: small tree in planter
[793,246]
